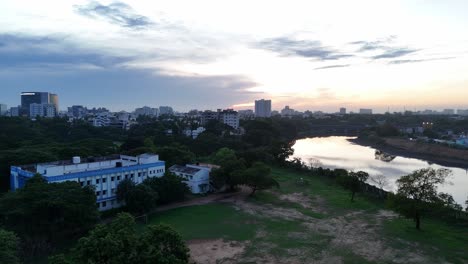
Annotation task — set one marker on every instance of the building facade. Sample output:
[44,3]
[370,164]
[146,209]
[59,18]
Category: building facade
[3,109]
[104,174]
[343,111]
[263,108]
[228,117]
[28,98]
[166,110]
[365,111]
[197,177]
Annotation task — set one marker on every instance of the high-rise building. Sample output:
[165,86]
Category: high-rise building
[3,109]
[28,98]
[54,100]
[343,111]
[263,108]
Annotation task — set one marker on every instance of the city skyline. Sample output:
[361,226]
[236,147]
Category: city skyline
[208,55]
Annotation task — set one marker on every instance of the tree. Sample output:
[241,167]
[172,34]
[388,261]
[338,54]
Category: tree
[9,244]
[176,154]
[170,187]
[230,172]
[139,199]
[417,191]
[258,177]
[120,242]
[354,181]
[44,214]
[466,204]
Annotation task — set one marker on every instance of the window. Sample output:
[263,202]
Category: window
[118,178]
[98,193]
[139,174]
[191,177]
[81,184]
[104,180]
[112,179]
[104,204]
[126,176]
[113,191]
[104,192]
[88,182]
[97,181]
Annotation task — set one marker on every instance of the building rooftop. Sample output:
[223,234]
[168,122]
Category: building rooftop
[184,169]
[78,164]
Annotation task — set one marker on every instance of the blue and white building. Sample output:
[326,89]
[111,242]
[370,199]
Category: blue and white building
[197,177]
[103,173]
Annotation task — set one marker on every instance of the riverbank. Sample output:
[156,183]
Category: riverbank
[431,153]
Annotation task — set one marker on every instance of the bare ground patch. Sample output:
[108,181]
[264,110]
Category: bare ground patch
[215,251]
[317,204]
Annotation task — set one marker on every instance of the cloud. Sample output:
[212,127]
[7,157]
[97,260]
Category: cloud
[93,78]
[332,66]
[380,44]
[419,60]
[394,53]
[116,13]
[303,48]
[50,52]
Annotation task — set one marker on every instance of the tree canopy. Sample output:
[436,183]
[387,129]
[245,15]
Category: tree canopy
[120,242]
[417,192]
[44,214]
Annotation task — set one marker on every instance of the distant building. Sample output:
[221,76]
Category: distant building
[263,108]
[246,114]
[166,110]
[104,174]
[54,100]
[15,111]
[3,109]
[228,117]
[147,111]
[42,110]
[196,177]
[107,119]
[462,112]
[28,98]
[287,112]
[77,111]
[343,111]
[365,111]
[194,133]
[448,112]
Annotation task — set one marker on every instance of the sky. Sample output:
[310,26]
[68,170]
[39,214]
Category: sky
[209,54]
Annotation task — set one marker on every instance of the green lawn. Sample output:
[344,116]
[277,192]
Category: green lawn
[436,238]
[208,221]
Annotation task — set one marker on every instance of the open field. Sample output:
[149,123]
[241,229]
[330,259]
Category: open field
[311,222]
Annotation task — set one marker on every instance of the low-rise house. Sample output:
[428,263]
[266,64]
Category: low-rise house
[197,177]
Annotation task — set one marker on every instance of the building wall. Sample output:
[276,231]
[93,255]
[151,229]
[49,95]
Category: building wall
[105,181]
[263,108]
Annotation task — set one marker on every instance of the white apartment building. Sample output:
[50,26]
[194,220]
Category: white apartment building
[147,111]
[194,133]
[230,118]
[103,173]
[263,108]
[197,177]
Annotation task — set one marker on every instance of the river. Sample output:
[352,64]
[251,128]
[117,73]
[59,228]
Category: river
[339,152]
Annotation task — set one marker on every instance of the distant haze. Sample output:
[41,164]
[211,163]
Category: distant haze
[208,54]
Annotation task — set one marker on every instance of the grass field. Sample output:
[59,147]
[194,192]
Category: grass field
[314,221]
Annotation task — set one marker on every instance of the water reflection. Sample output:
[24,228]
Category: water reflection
[338,152]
